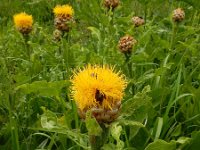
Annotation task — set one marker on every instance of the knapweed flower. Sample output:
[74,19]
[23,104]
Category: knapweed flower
[63,10]
[137,21]
[23,22]
[99,89]
[126,44]
[111,3]
[63,17]
[178,15]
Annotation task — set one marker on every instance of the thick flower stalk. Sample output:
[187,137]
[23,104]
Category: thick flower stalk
[63,17]
[99,89]
[23,22]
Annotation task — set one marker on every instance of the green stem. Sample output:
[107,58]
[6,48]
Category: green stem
[97,142]
[13,125]
[130,72]
[74,108]
[65,54]
[145,12]
[174,30]
[126,137]
[61,52]
[26,39]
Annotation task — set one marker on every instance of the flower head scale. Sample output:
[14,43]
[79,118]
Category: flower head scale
[63,11]
[97,87]
[23,22]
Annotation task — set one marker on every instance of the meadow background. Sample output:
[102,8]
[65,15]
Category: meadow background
[161,107]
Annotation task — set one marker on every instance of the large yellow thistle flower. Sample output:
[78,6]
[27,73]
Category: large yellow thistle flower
[23,21]
[63,10]
[97,87]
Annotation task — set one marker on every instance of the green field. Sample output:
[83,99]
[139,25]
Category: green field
[160,109]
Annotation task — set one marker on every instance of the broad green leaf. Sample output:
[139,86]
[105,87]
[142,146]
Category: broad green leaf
[141,99]
[48,119]
[195,141]
[136,109]
[183,140]
[80,139]
[109,146]
[92,125]
[183,143]
[116,131]
[43,88]
[50,123]
[161,145]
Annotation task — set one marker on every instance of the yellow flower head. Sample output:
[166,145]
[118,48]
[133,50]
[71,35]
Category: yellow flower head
[23,20]
[63,10]
[97,87]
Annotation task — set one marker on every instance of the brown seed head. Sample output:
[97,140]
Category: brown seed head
[126,44]
[111,3]
[137,21]
[178,15]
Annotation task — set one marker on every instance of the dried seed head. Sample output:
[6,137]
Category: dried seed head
[57,35]
[62,23]
[126,44]
[111,3]
[102,114]
[137,21]
[178,15]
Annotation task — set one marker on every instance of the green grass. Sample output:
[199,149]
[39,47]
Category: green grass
[161,107]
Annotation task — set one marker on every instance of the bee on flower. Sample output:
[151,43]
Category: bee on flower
[23,22]
[63,17]
[100,90]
